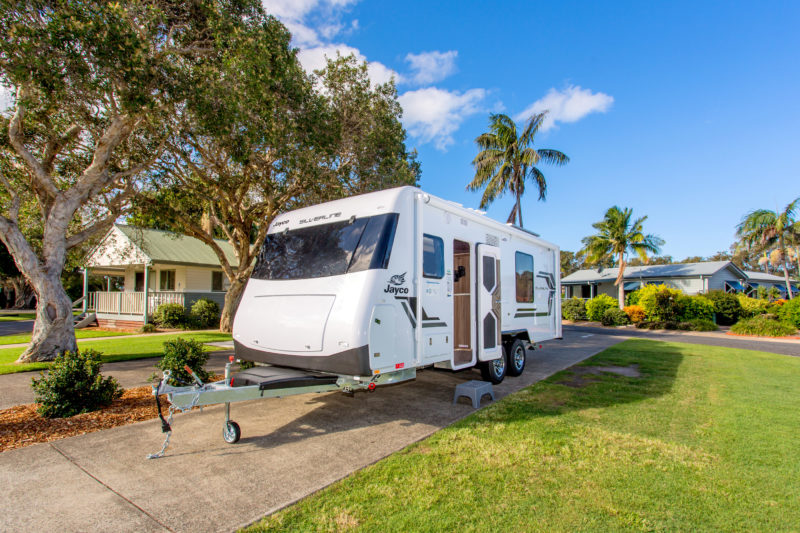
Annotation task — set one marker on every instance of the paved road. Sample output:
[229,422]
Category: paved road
[290,448]
[16,327]
[790,347]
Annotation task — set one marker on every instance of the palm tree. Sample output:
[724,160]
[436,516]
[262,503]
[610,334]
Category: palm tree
[764,229]
[507,160]
[616,237]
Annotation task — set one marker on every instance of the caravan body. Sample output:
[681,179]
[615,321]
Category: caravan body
[393,280]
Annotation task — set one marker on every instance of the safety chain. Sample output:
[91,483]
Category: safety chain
[172,410]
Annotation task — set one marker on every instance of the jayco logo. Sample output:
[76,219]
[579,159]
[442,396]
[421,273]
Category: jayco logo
[394,284]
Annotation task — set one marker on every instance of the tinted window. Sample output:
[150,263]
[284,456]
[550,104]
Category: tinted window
[524,277]
[488,273]
[327,249]
[432,256]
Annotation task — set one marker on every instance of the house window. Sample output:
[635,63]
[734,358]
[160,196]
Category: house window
[216,281]
[432,257]
[167,280]
[524,277]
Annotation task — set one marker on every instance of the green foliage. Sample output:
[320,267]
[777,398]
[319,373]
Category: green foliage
[206,313]
[180,352]
[790,312]
[596,307]
[632,298]
[764,326]
[697,307]
[701,324]
[508,159]
[753,306]
[148,328]
[170,315]
[573,309]
[618,235]
[661,302]
[614,316]
[74,385]
[726,306]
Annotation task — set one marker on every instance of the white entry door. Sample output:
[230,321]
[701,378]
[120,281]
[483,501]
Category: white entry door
[488,304]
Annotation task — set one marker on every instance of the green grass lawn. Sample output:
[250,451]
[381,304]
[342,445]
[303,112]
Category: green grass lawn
[113,349]
[79,333]
[20,316]
[705,440]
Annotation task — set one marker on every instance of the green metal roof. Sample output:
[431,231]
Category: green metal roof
[168,247]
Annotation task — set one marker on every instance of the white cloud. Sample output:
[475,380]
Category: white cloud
[569,105]
[432,115]
[316,58]
[5,98]
[430,67]
[310,21]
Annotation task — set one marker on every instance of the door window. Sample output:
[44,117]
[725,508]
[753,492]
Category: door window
[432,257]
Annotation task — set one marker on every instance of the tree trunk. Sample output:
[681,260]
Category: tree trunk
[621,282]
[232,298]
[519,210]
[53,332]
[21,294]
[786,269]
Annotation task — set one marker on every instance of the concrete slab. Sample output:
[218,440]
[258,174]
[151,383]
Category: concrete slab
[290,448]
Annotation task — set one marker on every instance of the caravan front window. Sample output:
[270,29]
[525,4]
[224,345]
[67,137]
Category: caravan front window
[327,249]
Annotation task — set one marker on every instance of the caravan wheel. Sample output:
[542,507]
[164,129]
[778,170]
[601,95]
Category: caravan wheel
[494,371]
[516,358]
[231,432]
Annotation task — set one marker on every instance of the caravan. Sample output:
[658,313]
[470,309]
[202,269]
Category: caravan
[361,292]
[398,279]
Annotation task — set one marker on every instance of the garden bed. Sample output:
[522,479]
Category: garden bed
[22,426]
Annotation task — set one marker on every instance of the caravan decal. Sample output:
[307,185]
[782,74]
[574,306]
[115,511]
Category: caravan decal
[551,290]
[409,305]
[394,285]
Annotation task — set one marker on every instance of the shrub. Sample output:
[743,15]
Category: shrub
[170,315]
[701,324]
[790,312]
[632,298]
[752,306]
[148,328]
[697,308]
[614,316]
[206,313]
[179,353]
[657,324]
[665,307]
[573,309]
[635,313]
[74,385]
[598,305]
[761,325]
[726,306]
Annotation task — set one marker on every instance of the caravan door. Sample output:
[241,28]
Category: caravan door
[488,302]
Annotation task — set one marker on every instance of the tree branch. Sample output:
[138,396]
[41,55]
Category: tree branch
[41,177]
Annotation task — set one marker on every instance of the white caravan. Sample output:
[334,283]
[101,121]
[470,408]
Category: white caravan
[398,279]
[357,293]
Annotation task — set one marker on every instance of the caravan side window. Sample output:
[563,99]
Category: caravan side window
[524,277]
[432,257]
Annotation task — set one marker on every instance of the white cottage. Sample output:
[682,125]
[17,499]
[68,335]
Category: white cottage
[145,265]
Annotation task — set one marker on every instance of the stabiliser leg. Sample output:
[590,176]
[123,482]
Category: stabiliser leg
[231,433]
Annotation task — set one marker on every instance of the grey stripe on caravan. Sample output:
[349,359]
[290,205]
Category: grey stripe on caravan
[434,324]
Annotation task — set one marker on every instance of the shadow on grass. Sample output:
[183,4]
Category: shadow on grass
[583,387]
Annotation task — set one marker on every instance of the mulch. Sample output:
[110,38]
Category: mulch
[22,426]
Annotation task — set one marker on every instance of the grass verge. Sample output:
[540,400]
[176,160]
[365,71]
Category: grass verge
[79,333]
[17,317]
[704,439]
[113,349]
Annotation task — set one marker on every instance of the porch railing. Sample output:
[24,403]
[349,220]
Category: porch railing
[132,303]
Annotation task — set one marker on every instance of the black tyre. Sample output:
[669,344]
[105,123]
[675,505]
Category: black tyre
[516,354]
[231,432]
[494,371]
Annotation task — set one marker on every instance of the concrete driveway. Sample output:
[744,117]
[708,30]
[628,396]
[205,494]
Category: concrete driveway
[290,448]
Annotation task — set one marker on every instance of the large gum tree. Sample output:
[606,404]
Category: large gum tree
[94,83]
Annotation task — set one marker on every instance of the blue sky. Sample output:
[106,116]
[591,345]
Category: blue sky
[684,111]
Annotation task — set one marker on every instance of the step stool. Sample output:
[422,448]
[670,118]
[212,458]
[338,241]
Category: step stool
[474,390]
